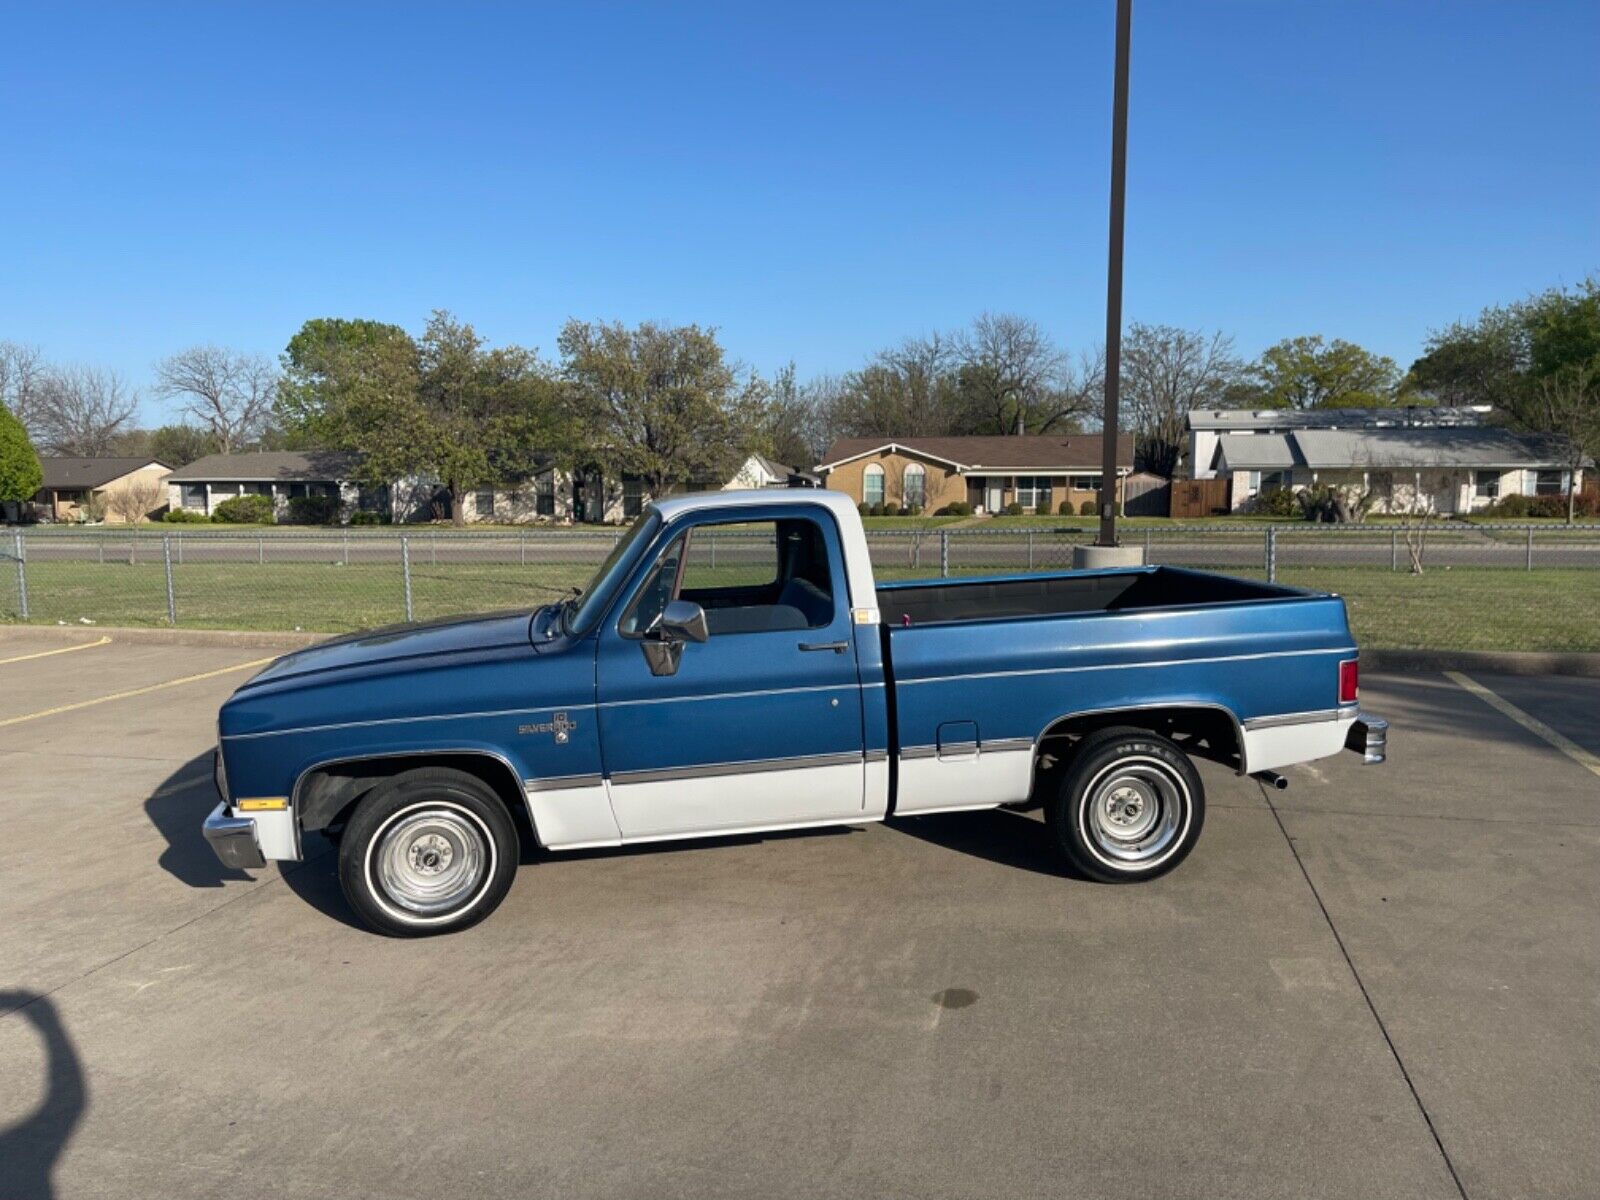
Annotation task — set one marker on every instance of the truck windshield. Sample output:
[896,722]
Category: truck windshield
[579,614]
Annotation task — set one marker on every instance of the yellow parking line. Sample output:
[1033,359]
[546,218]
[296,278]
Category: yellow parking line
[1532,724]
[61,650]
[144,691]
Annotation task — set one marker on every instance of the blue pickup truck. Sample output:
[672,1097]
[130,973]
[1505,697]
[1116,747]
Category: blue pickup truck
[733,667]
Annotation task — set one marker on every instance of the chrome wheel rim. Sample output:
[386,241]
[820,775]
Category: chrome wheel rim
[432,861]
[1135,811]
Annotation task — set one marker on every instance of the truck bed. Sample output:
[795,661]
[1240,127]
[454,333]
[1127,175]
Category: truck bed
[949,600]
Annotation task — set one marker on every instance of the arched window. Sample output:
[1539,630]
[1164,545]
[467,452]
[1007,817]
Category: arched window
[872,484]
[915,488]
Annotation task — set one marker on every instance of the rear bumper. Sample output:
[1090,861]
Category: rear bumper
[1368,737]
[233,839]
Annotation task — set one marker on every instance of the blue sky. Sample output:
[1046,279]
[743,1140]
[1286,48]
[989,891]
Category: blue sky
[815,181]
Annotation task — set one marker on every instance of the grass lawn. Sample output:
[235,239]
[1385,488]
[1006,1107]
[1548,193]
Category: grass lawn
[1467,608]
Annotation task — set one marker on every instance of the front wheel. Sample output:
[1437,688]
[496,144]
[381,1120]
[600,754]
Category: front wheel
[431,851]
[1131,806]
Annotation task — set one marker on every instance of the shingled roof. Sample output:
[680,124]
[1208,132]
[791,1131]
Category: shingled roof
[73,474]
[1035,452]
[271,466]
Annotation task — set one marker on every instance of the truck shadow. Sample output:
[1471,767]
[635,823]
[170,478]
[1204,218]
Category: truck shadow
[998,835]
[31,1145]
[177,808]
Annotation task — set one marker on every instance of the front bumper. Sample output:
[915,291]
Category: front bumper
[233,839]
[1368,737]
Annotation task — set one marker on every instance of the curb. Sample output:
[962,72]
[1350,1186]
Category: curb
[245,639]
[1496,662]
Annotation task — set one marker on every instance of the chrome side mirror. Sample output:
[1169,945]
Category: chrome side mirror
[685,621]
[681,621]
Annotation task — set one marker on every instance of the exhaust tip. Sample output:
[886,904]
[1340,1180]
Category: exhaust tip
[1272,779]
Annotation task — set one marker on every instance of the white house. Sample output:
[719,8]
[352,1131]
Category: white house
[1207,426]
[1445,470]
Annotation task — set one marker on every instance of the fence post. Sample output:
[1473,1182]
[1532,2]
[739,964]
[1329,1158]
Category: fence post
[1272,554]
[261,550]
[944,553]
[916,551]
[179,536]
[712,542]
[172,596]
[347,547]
[1394,549]
[1147,545]
[22,578]
[1530,547]
[405,569]
[1030,549]
[522,547]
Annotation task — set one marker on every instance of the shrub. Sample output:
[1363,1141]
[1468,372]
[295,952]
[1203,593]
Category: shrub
[1515,507]
[245,510]
[366,516]
[1277,502]
[1013,509]
[864,509]
[313,510]
[956,508]
[1088,508]
[1065,508]
[185,516]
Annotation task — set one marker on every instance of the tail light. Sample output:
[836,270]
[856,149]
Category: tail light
[1349,681]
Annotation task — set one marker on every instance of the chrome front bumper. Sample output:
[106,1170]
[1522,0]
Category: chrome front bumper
[233,839]
[1368,737]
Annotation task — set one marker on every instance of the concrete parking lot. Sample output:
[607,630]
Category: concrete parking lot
[1381,982]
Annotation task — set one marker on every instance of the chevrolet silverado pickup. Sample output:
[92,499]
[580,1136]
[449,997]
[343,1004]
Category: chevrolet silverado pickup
[733,667]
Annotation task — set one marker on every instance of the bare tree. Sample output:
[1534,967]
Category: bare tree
[1013,378]
[135,499]
[228,394]
[906,391]
[1566,405]
[22,370]
[1166,374]
[82,410]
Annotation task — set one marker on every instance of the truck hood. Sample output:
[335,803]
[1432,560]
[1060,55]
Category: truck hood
[397,643]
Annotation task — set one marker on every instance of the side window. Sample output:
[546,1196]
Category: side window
[659,586]
[759,576]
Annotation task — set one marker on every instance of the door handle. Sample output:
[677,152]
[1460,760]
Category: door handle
[836,647]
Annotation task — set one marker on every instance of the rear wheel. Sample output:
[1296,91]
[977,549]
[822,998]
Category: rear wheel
[431,851]
[1131,806]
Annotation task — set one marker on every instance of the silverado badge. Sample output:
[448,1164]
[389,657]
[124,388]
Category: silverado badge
[558,725]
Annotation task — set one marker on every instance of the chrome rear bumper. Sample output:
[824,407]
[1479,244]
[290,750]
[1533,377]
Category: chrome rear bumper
[1368,737]
[233,839]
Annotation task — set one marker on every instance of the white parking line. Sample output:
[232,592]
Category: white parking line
[1532,724]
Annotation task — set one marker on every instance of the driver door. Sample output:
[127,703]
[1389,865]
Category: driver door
[758,726]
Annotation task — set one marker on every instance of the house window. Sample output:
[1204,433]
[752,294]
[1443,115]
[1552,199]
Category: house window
[1274,479]
[483,502]
[1486,484]
[1549,483]
[632,496]
[194,496]
[872,484]
[544,495]
[1084,483]
[1033,491]
[916,486]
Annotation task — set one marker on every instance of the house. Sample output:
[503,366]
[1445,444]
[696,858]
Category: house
[759,471]
[1206,426]
[1038,472]
[280,474]
[1441,469]
[71,484]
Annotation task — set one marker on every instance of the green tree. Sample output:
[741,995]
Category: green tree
[444,407]
[179,445]
[1311,372]
[20,473]
[661,401]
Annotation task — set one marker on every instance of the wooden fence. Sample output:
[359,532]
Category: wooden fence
[1200,497]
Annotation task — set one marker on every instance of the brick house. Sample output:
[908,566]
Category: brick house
[930,473]
[70,484]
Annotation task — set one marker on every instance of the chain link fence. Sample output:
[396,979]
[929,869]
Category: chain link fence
[1448,586]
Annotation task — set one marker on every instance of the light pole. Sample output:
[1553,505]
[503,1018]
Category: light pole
[1119,173]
